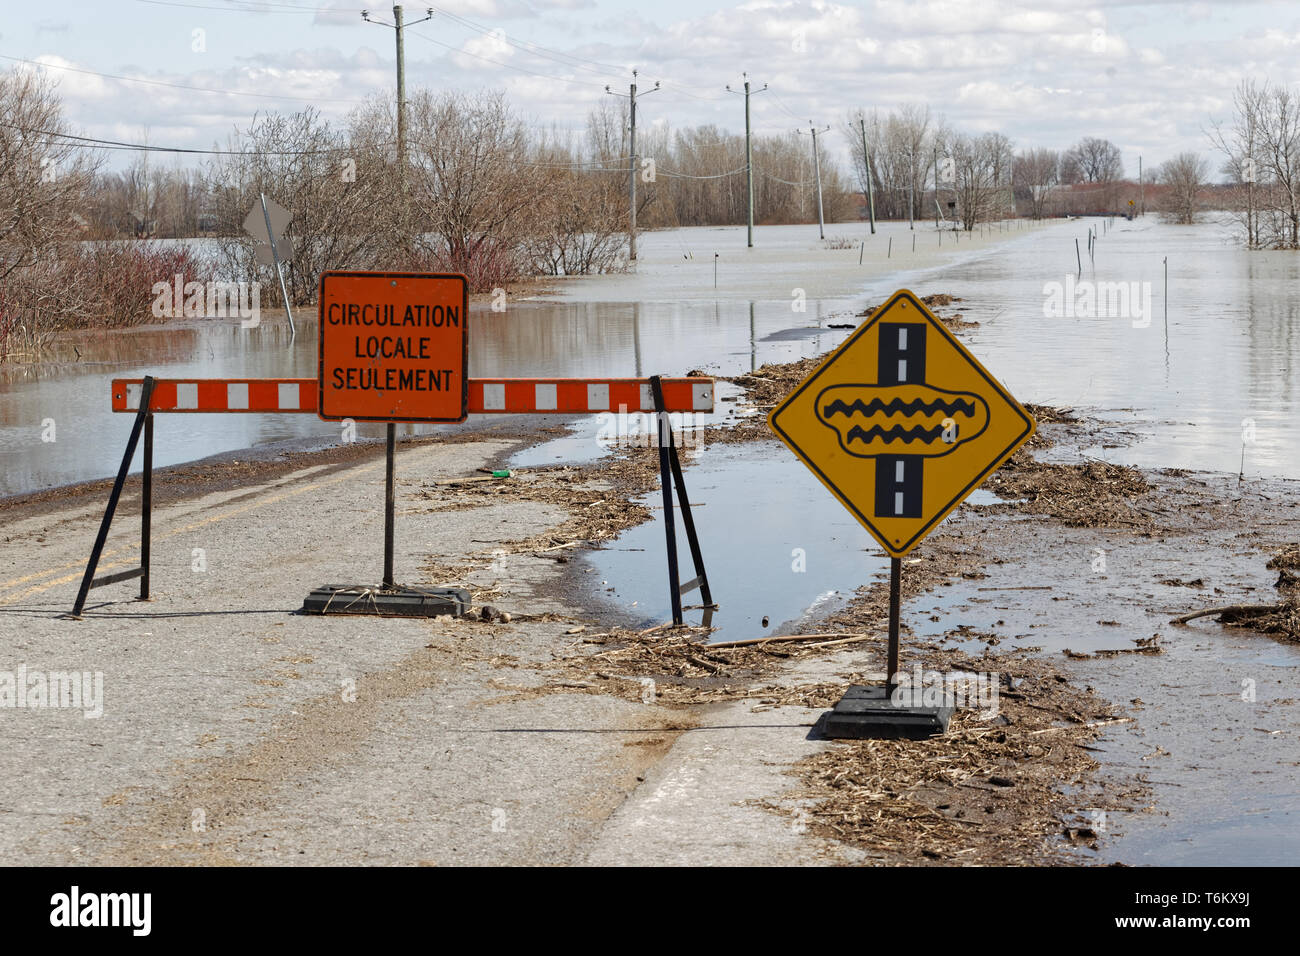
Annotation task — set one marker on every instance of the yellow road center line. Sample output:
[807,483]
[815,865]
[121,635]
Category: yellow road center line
[274,499]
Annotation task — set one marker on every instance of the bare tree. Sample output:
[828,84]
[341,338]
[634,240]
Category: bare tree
[1185,177]
[982,165]
[43,176]
[1037,172]
[903,146]
[339,197]
[1070,172]
[582,218]
[470,187]
[1240,145]
[1280,151]
[1098,160]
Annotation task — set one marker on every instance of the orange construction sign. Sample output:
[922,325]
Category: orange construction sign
[394,347]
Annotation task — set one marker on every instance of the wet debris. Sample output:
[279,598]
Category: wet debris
[987,792]
[1279,619]
[1093,494]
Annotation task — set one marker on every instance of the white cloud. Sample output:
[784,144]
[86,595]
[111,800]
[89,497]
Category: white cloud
[1147,75]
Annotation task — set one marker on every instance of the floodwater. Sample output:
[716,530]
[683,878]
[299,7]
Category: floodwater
[1215,387]
[803,560]
[530,339]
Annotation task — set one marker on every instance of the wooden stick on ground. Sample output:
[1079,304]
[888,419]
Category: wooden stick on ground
[848,640]
[1251,610]
[558,547]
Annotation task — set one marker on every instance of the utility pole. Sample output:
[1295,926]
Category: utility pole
[936,187]
[1142,191]
[398,26]
[390,475]
[631,226]
[817,167]
[401,93]
[749,165]
[911,187]
[866,161]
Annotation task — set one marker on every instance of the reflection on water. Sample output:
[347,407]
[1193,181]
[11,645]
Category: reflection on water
[1223,372]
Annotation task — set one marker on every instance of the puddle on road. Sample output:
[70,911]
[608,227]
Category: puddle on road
[760,518]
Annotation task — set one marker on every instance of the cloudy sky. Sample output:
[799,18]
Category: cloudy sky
[1149,76]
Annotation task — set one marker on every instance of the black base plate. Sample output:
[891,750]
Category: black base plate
[393,602]
[868,713]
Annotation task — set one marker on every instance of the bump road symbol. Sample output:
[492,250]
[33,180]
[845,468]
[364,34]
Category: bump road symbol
[869,441]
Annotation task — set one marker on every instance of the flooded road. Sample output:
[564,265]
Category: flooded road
[1214,389]
[530,339]
[1221,377]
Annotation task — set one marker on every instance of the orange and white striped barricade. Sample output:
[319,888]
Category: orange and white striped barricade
[659,395]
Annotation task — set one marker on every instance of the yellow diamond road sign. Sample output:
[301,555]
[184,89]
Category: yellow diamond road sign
[901,423]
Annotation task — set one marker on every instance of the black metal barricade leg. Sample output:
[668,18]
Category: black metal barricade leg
[670,529]
[146,506]
[89,580]
[670,474]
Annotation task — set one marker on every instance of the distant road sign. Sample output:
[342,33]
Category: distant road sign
[255,221]
[393,347]
[264,256]
[901,423]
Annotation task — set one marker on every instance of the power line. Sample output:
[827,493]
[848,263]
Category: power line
[600,165]
[781,103]
[175,86]
[671,87]
[665,172]
[784,182]
[91,142]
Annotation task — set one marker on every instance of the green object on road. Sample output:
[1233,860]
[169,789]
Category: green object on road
[501,473]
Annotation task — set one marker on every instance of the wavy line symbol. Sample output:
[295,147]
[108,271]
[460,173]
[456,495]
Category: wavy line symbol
[896,406]
[922,420]
[896,433]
